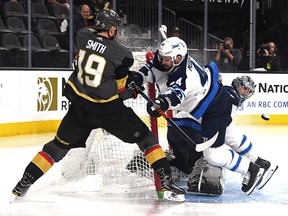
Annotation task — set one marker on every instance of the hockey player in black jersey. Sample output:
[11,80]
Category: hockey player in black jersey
[100,76]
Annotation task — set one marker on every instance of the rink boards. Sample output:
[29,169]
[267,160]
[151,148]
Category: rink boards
[32,101]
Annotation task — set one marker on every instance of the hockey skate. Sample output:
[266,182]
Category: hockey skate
[252,178]
[269,171]
[23,185]
[171,191]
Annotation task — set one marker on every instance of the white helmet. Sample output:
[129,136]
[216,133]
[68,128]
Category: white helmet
[172,47]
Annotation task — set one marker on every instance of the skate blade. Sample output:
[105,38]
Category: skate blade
[169,195]
[257,181]
[266,177]
[13,198]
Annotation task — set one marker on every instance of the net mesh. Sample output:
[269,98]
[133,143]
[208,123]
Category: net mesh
[114,163]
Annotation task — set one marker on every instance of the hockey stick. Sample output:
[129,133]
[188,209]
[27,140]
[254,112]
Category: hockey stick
[199,147]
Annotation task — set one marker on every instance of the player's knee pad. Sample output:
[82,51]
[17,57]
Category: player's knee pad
[147,141]
[206,179]
[219,156]
[244,146]
[54,151]
[240,143]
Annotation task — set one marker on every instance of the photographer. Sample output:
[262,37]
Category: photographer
[267,57]
[227,58]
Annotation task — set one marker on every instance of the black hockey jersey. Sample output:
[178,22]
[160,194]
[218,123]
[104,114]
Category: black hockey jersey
[101,69]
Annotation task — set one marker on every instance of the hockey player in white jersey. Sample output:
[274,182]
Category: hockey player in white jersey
[203,177]
[187,86]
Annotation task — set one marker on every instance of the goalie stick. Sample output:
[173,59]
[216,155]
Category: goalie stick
[199,147]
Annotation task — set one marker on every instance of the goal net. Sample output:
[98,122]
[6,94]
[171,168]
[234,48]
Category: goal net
[111,163]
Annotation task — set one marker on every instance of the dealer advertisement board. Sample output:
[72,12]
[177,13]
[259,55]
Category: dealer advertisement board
[32,95]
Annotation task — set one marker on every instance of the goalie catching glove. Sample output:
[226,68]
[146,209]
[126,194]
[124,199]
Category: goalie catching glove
[161,102]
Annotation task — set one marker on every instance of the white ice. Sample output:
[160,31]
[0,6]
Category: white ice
[46,199]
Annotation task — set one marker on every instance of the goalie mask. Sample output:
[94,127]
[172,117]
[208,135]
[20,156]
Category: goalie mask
[172,47]
[245,86]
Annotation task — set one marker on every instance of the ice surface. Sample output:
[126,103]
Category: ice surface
[46,197]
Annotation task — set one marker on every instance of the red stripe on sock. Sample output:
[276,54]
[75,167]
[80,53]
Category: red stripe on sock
[47,157]
[121,89]
[152,149]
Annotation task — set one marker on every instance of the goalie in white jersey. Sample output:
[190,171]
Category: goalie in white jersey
[187,86]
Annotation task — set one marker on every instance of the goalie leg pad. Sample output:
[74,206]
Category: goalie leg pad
[206,179]
[54,151]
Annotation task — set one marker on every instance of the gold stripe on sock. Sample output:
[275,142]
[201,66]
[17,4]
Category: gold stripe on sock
[154,155]
[42,163]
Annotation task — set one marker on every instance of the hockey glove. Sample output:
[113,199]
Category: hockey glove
[162,104]
[135,77]
[149,56]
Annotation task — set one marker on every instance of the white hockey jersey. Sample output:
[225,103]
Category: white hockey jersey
[190,87]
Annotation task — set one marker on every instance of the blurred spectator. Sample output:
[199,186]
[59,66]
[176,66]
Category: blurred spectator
[227,58]
[95,5]
[267,57]
[175,32]
[80,19]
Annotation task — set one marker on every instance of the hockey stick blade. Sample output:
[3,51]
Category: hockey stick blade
[205,145]
[199,147]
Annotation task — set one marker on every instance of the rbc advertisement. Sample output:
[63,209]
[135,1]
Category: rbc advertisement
[271,93]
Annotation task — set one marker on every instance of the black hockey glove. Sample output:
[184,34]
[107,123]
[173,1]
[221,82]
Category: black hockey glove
[135,77]
[161,102]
